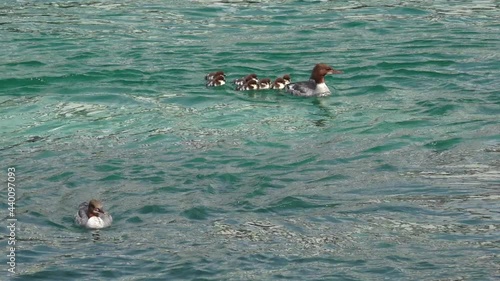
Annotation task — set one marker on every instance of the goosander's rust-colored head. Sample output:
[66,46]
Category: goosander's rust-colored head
[279,80]
[217,73]
[212,75]
[287,78]
[249,77]
[219,78]
[95,208]
[320,70]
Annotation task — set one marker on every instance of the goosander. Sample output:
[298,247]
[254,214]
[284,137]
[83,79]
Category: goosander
[216,81]
[279,83]
[316,86]
[250,85]
[92,215]
[265,84]
[212,75]
[244,80]
[287,79]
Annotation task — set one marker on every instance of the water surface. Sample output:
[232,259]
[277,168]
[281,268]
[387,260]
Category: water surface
[393,177]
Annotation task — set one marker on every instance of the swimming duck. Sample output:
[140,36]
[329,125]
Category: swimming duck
[315,86]
[91,215]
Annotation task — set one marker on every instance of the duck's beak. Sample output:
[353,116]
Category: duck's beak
[334,71]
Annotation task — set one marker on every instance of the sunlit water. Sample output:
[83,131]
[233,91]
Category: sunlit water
[394,177]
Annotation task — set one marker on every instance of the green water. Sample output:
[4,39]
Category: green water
[394,177]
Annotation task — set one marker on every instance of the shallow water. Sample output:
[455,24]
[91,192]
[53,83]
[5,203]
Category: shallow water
[395,176]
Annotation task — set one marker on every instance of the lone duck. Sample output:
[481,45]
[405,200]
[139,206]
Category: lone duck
[91,215]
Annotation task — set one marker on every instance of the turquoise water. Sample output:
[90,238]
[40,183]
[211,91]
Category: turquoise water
[394,177]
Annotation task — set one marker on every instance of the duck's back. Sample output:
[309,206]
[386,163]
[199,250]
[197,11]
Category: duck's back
[308,89]
[81,217]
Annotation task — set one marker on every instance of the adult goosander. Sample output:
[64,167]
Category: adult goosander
[250,85]
[210,76]
[92,215]
[244,80]
[316,86]
[216,81]
[279,83]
